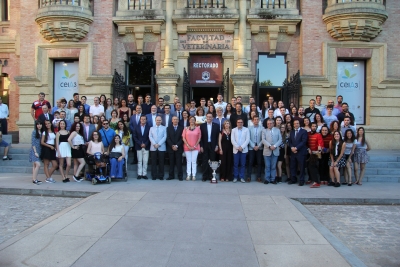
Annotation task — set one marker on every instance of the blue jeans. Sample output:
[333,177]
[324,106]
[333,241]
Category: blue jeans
[270,167]
[239,165]
[117,168]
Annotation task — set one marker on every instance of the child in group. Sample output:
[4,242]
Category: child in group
[56,120]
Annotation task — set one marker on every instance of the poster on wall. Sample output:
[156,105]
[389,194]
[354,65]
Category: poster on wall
[65,80]
[351,85]
[206,70]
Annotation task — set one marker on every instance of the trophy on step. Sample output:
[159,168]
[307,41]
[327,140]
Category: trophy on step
[214,166]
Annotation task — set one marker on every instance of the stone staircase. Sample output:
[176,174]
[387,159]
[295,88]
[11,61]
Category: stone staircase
[384,165]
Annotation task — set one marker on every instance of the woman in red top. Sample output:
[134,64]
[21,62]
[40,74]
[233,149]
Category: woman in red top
[323,162]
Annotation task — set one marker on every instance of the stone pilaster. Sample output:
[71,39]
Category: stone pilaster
[167,86]
[242,86]
[168,66]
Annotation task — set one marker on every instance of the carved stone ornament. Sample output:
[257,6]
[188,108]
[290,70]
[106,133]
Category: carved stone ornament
[355,21]
[64,23]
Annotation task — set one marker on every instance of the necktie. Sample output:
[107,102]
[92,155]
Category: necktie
[295,134]
[255,136]
[175,128]
[137,118]
[179,115]
[47,116]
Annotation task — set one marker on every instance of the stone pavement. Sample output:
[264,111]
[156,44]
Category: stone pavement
[371,232]
[173,223]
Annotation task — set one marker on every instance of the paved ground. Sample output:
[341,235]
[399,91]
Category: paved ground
[18,213]
[371,232]
[173,223]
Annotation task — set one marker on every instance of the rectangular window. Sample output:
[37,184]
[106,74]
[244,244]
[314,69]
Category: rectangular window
[5,10]
[351,85]
[66,79]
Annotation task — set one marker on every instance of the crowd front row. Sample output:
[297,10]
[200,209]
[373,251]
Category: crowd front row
[322,153]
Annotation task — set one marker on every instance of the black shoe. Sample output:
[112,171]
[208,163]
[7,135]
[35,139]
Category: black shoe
[139,177]
[301,183]
[344,183]
[153,179]
[292,182]
[169,178]
[349,184]
[180,179]
[337,185]
[331,184]
[204,179]
[144,177]
[266,182]
[66,180]
[274,182]
[162,178]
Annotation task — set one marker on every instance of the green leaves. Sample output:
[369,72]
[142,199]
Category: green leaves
[347,73]
[66,73]
[354,74]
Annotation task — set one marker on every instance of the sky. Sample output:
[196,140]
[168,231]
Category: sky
[273,69]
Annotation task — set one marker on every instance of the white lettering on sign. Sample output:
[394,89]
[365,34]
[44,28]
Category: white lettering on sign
[205,65]
[206,42]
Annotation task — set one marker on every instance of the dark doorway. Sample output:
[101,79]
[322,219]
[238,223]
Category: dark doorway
[140,75]
[206,92]
[265,92]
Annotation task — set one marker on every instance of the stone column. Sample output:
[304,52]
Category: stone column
[167,78]
[243,78]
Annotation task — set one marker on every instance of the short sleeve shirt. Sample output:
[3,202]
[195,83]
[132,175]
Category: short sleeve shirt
[37,106]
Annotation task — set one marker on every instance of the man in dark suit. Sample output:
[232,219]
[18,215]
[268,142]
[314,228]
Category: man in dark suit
[151,118]
[208,144]
[298,145]
[133,123]
[142,146]
[167,116]
[175,148]
[45,115]
[88,128]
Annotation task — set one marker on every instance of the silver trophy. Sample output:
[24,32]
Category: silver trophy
[214,166]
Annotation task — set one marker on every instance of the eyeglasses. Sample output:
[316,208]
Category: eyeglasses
[105,123]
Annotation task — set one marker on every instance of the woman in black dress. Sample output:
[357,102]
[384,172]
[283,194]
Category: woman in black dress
[226,152]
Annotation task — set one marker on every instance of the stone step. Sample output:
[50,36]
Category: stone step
[382,178]
[376,164]
[382,171]
[384,158]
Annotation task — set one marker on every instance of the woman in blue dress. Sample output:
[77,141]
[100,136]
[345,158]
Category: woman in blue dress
[34,153]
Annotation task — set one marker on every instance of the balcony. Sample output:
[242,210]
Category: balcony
[205,16]
[274,17]
[64,20]
[355,20]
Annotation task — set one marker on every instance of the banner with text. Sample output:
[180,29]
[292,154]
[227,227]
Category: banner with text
[206,70]
[65,80]
[351,85]
[205,42]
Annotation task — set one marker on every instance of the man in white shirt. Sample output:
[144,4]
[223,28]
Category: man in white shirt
[220,102]
[96,109]
[3,116]
[318,104]
[251,101]
[240,142]
[167,117]
[277,111]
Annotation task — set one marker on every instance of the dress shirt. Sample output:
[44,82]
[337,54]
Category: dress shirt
[179,114]
[138,118]
[240,137]
[142,128]
[209,126]
[167,119]
[3,111]
[153,117]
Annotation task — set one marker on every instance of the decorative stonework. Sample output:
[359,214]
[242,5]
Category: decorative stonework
[64,23]
[355,21]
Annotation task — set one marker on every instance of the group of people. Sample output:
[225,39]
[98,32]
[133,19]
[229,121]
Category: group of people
[322,139]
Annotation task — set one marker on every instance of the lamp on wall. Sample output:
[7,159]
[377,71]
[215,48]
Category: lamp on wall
[3,64]
[137,88]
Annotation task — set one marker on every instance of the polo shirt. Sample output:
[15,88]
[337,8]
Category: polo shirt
[96,110]
[37,106]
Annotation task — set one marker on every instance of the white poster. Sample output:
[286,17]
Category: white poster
[350,85]
[65,80]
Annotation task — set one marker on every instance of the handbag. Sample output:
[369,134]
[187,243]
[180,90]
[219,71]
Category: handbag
[115,155]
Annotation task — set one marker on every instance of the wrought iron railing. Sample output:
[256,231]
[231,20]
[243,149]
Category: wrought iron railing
[205,4]
[140,4]
[332,2]
[273,4]
[82,3]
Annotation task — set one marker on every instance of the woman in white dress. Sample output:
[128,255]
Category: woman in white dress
[63,150]
[76,142]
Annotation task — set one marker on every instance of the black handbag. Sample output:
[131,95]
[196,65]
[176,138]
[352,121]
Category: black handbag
[115,155]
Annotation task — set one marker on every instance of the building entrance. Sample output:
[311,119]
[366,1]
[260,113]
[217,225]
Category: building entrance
[209,93]
[205,72]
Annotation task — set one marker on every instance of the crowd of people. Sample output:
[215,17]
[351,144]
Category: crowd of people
[322,139]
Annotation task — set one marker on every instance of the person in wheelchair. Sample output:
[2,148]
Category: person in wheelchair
[116,153]
[95,145]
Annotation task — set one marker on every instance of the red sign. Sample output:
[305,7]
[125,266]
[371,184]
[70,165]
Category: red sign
[206,70]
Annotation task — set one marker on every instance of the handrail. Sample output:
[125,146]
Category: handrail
[273,4]
[140,4]
[205,4]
